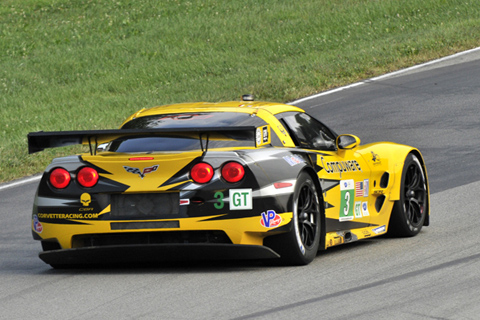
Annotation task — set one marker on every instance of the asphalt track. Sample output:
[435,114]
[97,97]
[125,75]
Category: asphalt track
[435,275]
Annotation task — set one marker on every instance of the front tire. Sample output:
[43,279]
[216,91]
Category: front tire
[299,246]
[408,214]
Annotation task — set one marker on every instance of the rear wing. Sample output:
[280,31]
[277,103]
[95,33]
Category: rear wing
[39,141]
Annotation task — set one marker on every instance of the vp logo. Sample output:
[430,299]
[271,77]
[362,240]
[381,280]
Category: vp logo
[270,219]
[143,172]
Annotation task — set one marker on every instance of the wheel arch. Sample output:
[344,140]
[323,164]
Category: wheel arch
[398,168]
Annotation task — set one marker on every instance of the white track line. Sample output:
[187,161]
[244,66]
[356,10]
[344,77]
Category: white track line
[383,76]
[20,182]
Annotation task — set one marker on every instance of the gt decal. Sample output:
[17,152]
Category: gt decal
[358,209]
[270,219]
[219,196]
[347,189]
[240,199]
[143,172]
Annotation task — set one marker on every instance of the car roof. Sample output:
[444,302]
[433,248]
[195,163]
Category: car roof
[229,106]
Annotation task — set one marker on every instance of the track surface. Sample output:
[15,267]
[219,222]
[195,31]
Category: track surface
[435,275]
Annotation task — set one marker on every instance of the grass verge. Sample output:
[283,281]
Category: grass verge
[88,64]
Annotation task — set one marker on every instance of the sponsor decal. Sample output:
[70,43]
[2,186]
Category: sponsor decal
[358,209]
[375,158]
[347,188]
[37,225]
[184,202]
[365,209]
[270,219]
[68,215]
[366,233]
[262,135]
[143,172]
[85,199]
[240,199]
[366,185]
[340,166]
[379,230]
[293,159]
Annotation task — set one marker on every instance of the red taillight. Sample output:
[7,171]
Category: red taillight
[60,178]
[87,177]
[202,172]
[233,172]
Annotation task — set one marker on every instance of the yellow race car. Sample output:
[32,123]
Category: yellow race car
[229,180]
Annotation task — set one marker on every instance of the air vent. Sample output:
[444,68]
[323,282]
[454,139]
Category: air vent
[384,180]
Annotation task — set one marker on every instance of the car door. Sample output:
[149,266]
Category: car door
[343,173]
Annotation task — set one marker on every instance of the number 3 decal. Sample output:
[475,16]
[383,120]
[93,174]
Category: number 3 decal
[347,204]
[347,189]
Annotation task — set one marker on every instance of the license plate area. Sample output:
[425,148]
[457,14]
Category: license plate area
[144,205]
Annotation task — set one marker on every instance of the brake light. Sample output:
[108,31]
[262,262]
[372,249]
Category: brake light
[233,172]
[87,177]
[60,178]
[202,172]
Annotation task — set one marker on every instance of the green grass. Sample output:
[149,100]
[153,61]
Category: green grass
[88,64]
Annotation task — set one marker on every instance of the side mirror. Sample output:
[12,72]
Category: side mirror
[347,141]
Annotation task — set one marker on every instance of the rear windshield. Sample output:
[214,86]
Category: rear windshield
[184,142]
[186,120]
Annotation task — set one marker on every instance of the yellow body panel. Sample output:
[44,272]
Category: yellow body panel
[352,181]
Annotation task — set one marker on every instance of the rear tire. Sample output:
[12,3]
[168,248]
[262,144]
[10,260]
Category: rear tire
[300,245]
[408,214]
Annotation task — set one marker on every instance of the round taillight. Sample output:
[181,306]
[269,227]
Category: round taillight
[60,178]
[202,172]
[87,177]
[233,172]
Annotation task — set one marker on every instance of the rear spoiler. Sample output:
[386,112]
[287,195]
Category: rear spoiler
[39,141]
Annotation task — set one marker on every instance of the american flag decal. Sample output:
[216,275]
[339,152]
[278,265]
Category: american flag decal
[359,189]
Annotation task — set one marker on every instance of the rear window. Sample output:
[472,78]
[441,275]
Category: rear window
[186,120]
[184,142]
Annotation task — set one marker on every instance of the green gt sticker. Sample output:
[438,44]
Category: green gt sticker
[347,194]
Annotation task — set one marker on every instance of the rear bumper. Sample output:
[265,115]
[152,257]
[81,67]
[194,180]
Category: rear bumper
[120,254]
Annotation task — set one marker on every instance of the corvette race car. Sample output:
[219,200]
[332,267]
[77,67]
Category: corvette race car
[229,180]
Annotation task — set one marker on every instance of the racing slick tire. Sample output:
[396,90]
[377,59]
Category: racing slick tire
[408,214]
[300,245]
